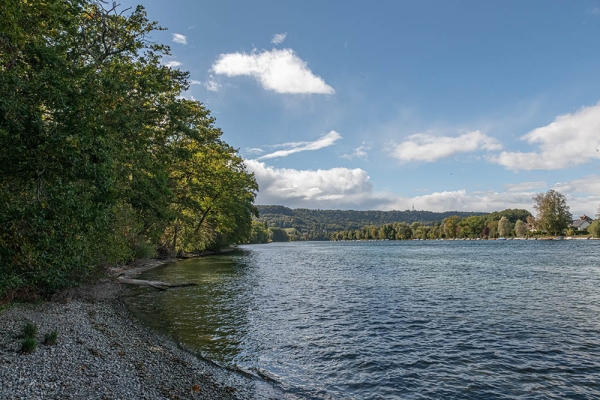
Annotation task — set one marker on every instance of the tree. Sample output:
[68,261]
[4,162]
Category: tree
[520,228]
[451,225]
[492,229]
[472,226]
[553,215]
[279,235]
[594,228]
[505,227]
[100,157]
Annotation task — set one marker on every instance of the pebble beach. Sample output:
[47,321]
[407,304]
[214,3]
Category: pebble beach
[103,352]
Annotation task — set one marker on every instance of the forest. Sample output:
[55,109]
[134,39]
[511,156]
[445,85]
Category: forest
[102,160]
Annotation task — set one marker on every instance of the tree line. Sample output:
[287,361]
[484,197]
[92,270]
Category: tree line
[102,160]
[319,224]
[278,223]
[497,224]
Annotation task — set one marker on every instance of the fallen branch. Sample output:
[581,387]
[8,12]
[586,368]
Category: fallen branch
[155,284]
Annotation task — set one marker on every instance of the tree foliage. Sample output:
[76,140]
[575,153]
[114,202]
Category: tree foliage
[505,227]
[553,215]
[100,157]
[594,229]
[520,228]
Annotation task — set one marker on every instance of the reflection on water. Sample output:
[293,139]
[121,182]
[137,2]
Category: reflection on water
[394,319]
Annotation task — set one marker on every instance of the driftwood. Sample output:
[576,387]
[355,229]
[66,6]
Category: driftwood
[155,284]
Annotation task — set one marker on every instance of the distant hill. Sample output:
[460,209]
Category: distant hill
[337,220]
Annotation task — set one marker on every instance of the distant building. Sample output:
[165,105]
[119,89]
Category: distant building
[582,223]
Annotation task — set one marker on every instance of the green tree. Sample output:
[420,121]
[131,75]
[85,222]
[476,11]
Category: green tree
[505,227]
[472,226]
[278,235]
[553,215]
[594,229]
[520,228]
[450,226]
[100,158]
[259,233]
[492,229]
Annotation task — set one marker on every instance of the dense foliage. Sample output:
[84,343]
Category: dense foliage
[101,160]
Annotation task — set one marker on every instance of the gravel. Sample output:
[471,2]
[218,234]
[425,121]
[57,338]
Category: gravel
[103,352]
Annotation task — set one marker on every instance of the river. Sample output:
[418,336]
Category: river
[393,319]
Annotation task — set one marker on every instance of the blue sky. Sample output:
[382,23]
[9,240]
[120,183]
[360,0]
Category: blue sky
[447,105]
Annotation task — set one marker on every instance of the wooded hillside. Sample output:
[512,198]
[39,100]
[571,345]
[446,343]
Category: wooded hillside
[337,220]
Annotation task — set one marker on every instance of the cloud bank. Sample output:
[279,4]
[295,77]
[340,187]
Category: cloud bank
[343,188]
[430,148]
[281,71]
[331,188]
[296,147]
[570,140]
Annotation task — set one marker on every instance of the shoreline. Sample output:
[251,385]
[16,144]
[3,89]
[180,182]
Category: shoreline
[104,352]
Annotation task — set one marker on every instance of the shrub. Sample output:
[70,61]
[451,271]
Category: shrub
[144,250]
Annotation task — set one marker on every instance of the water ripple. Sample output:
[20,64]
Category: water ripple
[381,320]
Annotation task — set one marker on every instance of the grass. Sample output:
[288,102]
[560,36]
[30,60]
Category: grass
[50,338]
[30,329]
[28,345]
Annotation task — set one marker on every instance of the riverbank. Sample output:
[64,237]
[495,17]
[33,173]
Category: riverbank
[103,352]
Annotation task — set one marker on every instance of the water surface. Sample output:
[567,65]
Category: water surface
[380,320]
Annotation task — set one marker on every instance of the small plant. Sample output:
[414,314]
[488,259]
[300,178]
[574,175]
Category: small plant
[30,330]
[29,345]
[50,338]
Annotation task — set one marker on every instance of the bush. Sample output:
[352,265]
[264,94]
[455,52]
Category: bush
[144,250]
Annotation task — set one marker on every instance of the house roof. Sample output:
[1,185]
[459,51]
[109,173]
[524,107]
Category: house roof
[579,222]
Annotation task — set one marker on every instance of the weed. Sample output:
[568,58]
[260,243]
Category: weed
[29,345]
[50,338]
[30,329]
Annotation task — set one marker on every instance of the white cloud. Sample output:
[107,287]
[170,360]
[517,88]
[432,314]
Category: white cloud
[331,188]
[281,71]
[359,152]
[279,38]
[343,188]
[524,186]
[254,150]
[179,38]
[212,85]
[296,147]
[172,64]
[571,139]
[596,10]
[430,148]
[461,200]
[589,187]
